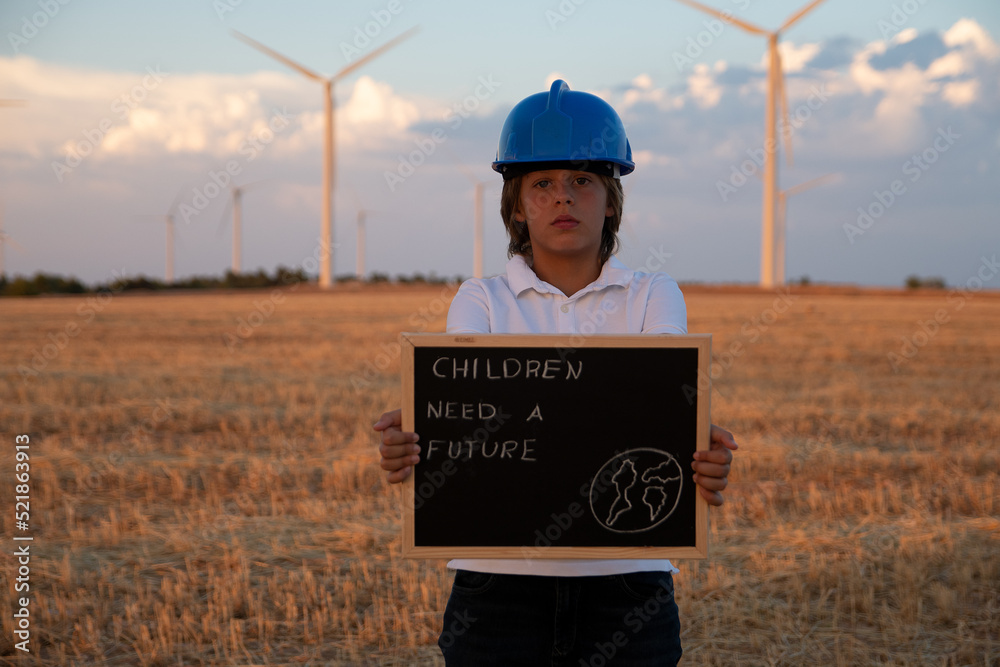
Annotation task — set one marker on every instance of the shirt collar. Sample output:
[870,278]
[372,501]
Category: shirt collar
[521,277]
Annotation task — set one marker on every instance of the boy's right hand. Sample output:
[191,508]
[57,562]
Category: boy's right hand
[399,449]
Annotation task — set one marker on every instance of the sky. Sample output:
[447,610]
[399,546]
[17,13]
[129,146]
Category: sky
[132,110]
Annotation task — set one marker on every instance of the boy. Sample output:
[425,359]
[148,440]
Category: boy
[561,155]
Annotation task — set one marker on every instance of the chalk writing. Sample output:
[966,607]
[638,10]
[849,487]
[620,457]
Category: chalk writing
[508,369]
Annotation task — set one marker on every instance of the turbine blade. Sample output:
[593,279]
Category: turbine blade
[628,228]
[7,239]
[827,178]
[377,52]
[786,125]
[302,69]
[799,14]
[465,170]
[223,218]
[177,200]
[727,17]
[253,184]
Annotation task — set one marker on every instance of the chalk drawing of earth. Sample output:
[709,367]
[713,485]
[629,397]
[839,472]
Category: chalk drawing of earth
[636,490]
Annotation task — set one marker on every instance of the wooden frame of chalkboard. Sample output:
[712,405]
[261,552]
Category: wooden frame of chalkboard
[555,446]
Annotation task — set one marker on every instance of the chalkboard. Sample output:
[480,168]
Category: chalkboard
[555,446]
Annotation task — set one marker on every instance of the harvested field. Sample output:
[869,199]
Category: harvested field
[205,489]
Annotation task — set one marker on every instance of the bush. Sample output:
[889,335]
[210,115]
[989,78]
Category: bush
[917,282]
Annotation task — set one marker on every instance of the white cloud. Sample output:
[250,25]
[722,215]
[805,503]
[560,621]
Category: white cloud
[968,32]
[643,81]
[703,88]
[642,90]
[647,158]
[152,112]
[961,93]
[904,36]
[793,58]
[950,64]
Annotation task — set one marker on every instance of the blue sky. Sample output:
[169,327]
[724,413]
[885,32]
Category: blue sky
[161,97]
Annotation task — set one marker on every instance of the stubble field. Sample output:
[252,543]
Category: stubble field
[206,492]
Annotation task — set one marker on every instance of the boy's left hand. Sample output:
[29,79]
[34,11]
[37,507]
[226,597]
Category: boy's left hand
[711,468]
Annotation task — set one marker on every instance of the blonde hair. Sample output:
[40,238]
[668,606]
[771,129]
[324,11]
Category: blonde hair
[519,243]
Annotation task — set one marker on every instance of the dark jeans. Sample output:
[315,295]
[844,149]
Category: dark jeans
[507,619]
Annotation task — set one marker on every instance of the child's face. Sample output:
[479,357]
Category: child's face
[565,212]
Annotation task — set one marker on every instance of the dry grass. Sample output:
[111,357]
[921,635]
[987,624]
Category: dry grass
[194,505]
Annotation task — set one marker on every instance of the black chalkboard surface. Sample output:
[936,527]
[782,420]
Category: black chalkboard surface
[555,446]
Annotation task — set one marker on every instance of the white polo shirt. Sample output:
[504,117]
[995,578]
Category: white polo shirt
[620,301]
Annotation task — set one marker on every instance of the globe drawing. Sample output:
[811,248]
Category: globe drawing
[636,490]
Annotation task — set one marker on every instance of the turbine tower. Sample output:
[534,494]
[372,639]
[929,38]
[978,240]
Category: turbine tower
[479,187]
[168,219]
[5,238]
[775,90]
[782,226]
[326,232]
[359,265]
[477,241]
[236,202]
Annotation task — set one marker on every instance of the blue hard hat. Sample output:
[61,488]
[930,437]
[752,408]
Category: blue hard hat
[563,129]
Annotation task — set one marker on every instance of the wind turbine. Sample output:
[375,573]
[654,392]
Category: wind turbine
[5,238]
[168,219]
[479,187]
[361,237]
[359,264]
[236,202]
[326,233]
[783,195]
[775,89]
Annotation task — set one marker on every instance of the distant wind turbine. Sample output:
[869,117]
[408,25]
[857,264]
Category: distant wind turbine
[361,237]
[6,238]
[326,233]
[168,219]
[775,90]
[359,265]
[479,187]
[782,226]
[236,203]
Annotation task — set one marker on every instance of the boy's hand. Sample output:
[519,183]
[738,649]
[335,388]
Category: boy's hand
[399,449]
[711,468]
